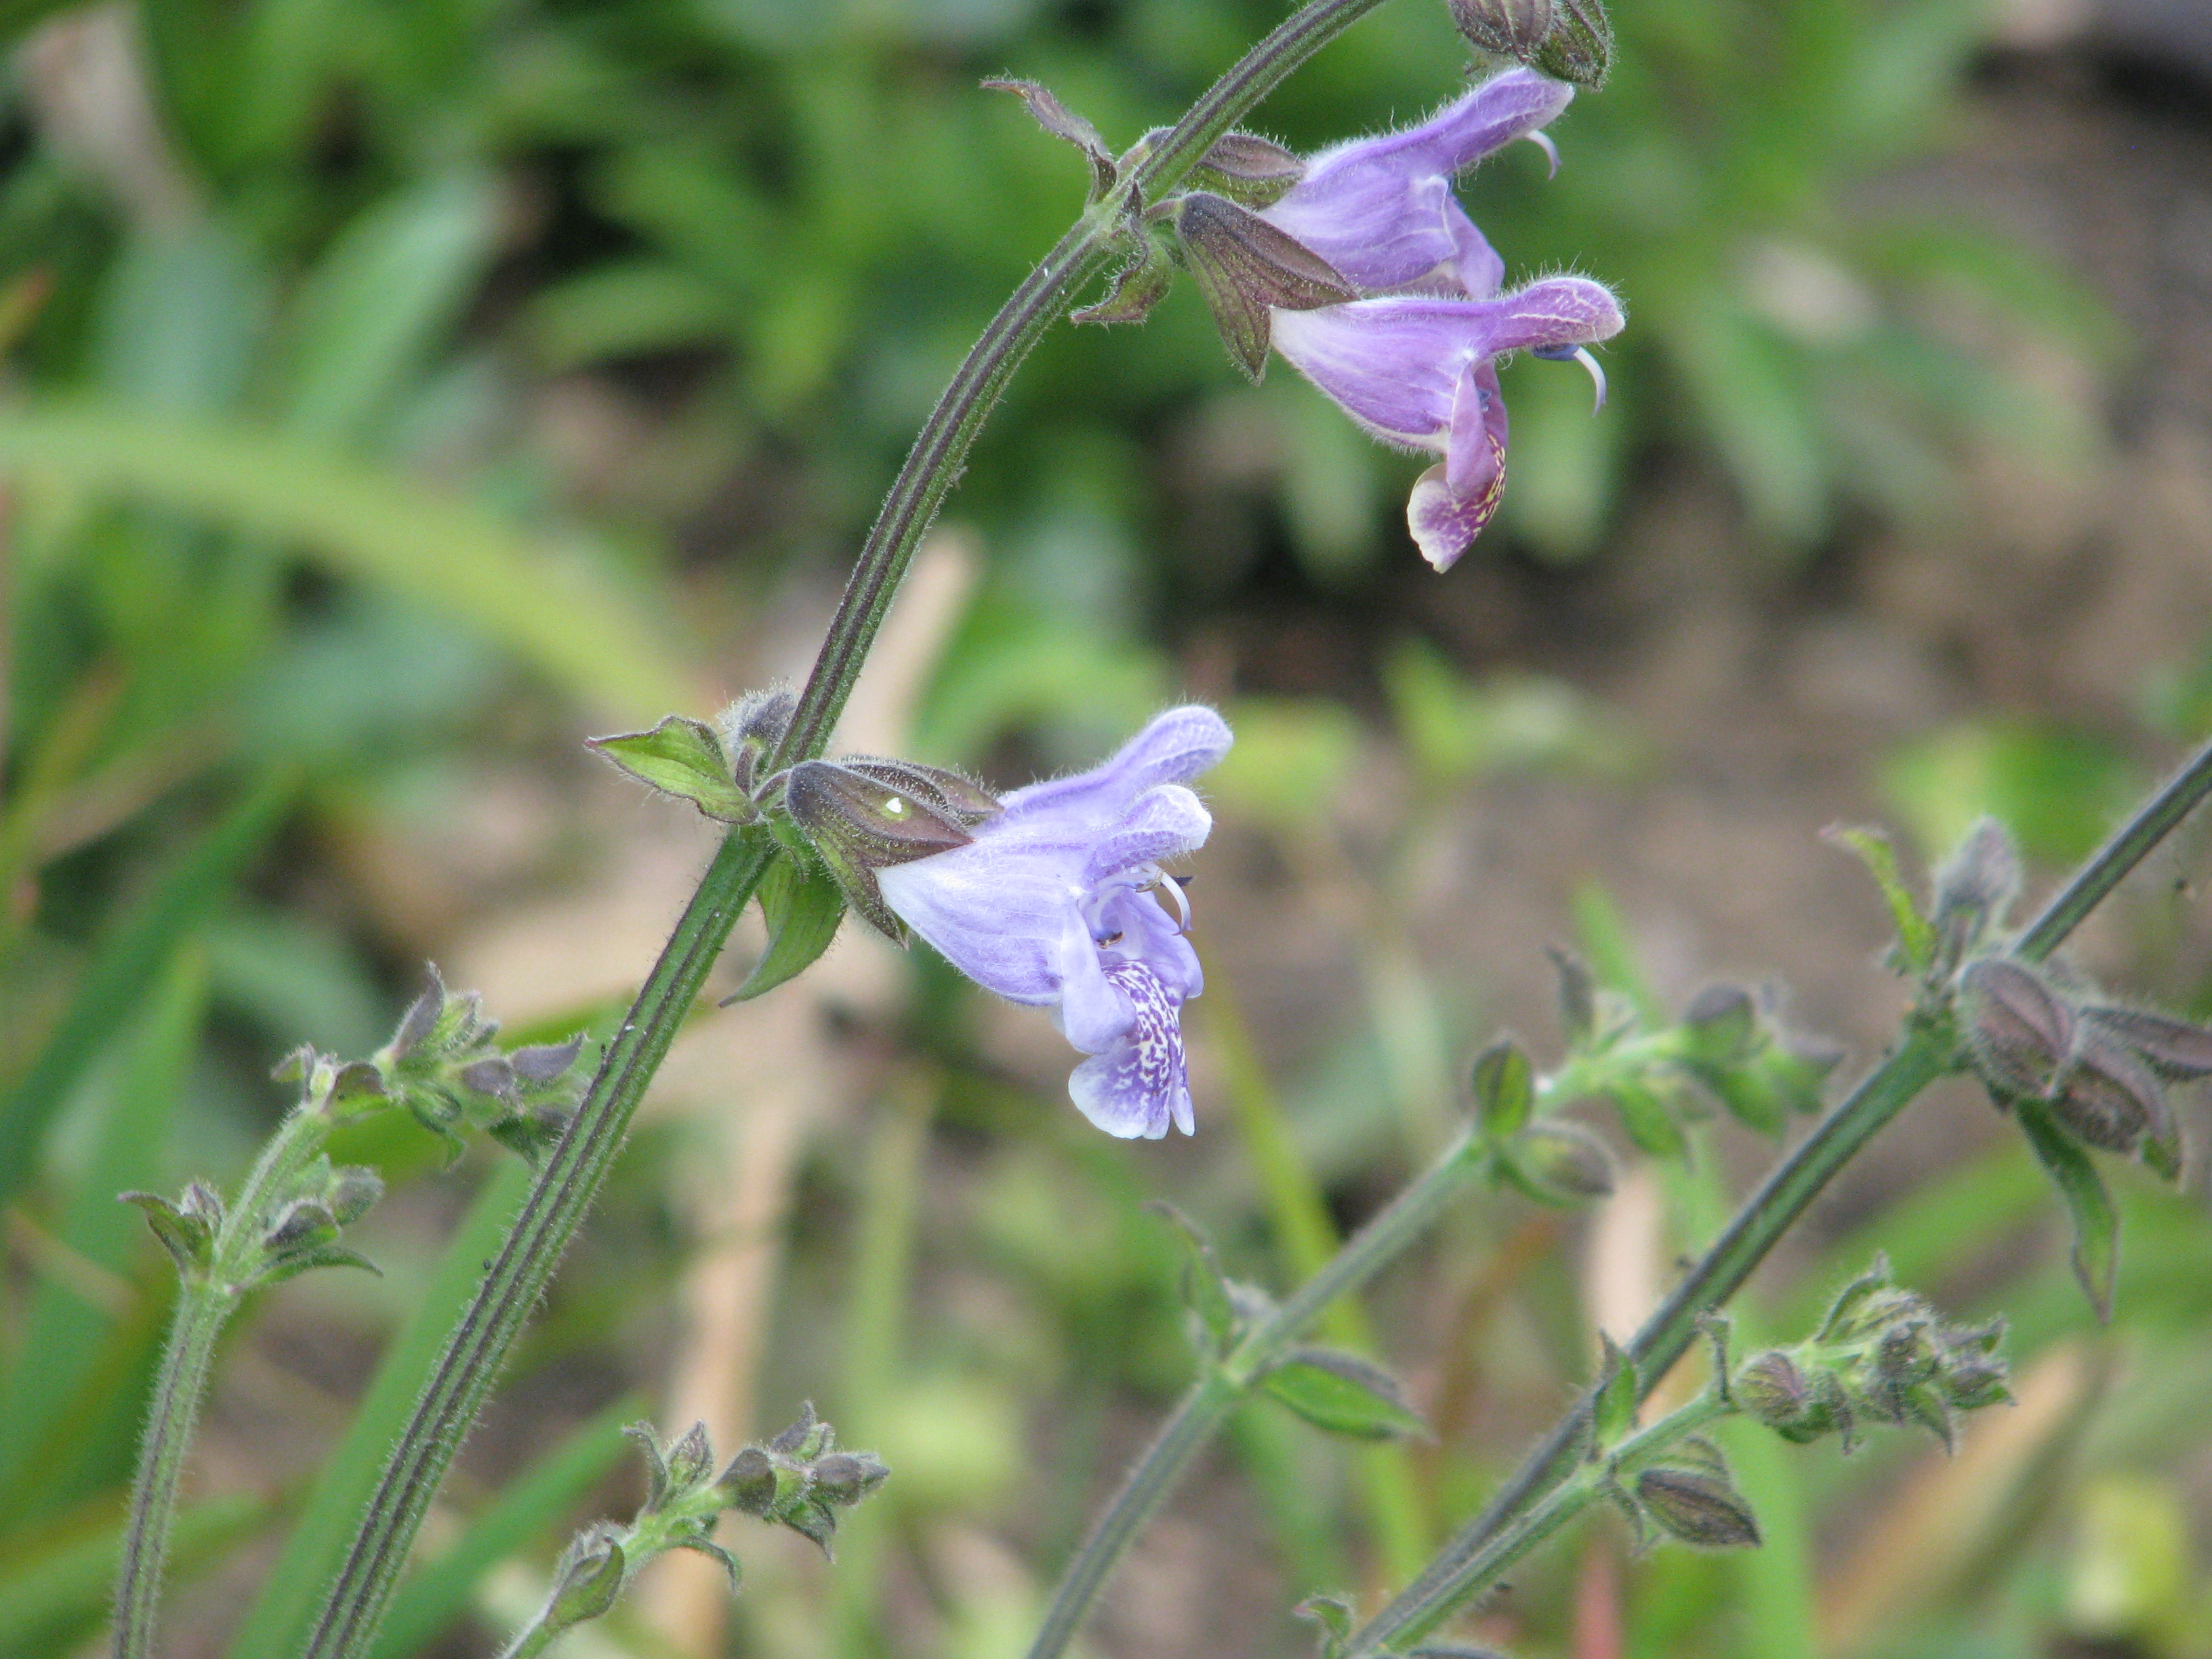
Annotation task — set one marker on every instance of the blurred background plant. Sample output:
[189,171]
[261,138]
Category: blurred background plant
[396,391]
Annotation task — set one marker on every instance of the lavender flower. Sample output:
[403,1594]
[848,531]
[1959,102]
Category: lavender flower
[1056,903]
[1417,371]
[1382,211]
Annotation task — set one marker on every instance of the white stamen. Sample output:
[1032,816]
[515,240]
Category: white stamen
[894,807]
[1182,903]
[1543,142]
[1597,373]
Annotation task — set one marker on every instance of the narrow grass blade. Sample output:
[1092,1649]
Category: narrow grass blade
[52,1600]
[71,1320]
[547,603]
[124,968]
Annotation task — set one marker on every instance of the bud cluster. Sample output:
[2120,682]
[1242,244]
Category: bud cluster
[272,1239]
[445,1066]
[1729,1046]
[1882,1354]
[1568,39]
[2100,1069]
[799,1480]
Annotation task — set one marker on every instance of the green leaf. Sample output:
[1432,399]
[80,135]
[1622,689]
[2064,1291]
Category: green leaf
[1505,1089]
[2096,1223]
[1343,1393]
[394,280]
[1205,1286]
[803,905]
[548,601]
[1914,936]
[684,758]
[274,1628]
[124,967]
[1613,1405]
[439,1593]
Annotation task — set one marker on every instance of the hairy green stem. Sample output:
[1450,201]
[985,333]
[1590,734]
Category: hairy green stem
[205,1301]
[933,465]
[1924,1055]
[463,1377]
[1216,1393]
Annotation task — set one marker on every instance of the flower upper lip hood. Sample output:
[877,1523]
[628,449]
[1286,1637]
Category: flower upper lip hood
[1054,903]
[1382,211]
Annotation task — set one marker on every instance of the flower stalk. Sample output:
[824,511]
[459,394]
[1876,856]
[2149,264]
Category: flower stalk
[1927,1052]
[462,1380]
[207,1295]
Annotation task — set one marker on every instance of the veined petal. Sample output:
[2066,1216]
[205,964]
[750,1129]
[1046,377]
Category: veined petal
[1140,1085]
[1166,821]
[992,912]
[1394,364]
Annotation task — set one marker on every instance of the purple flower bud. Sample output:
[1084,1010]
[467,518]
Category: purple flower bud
[1417,371]
[1381,210]
[1056,902]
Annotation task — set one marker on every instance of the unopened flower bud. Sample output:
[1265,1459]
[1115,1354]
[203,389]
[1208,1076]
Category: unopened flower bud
[2173,1047]
[1697,1508]
[1562,1162]
[1974,887]
[586,1581]
[1772,1387]
[2111,1099]
[353,1192]
[303,1223]
[2018,1032]
[1722,1024]
[848,1477]
[750,728]
[750,1481]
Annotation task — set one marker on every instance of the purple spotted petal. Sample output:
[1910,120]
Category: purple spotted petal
[1141,1085]
[1381,210]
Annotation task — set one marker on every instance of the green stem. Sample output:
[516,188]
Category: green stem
[1482,1572]
[1212,1399]
[205,1301]
[1924,1055]
[462,1380]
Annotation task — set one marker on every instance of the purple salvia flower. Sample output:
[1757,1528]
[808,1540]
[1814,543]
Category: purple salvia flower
[1382,211]
[1055,904]
[1417,371]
